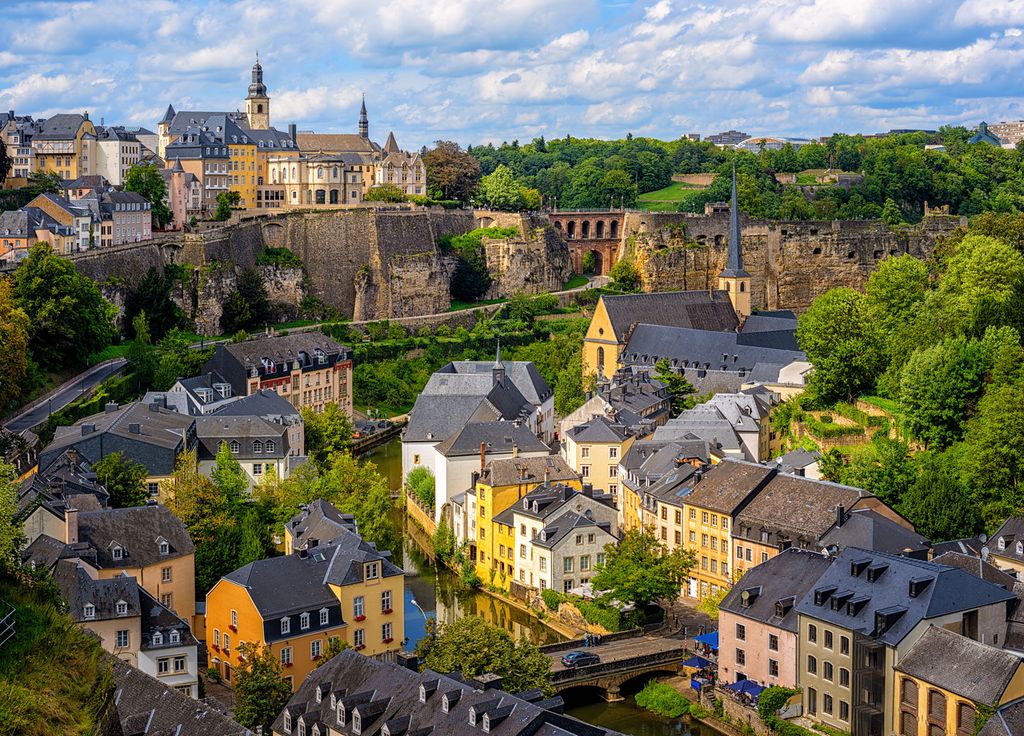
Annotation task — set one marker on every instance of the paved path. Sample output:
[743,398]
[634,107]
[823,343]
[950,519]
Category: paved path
[622,649]
[40,410]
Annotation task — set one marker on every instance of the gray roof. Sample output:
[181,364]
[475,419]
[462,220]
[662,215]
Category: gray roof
[976,566]
[319,521]
[235,360]
[878,592]
[1011,532]
[968,545]
[776,321]
[145,702]
[686,347]
[868,529]
[706,422]
[773,588]
[797,459]
[674,485]
[78,589]
[498,437]
[545,500]
[598,429]
[158,619]
[523,374]
[63,126]
[1008,720]
[265,403]
[386,693]
[214,430]
[434,418]
[138,530]
[651,460]
[701,310]
[512,470]
[567,524]
[976,671]
[728,486]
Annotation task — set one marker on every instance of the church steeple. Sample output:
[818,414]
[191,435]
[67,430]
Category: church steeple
[734,279]
[257,103]
[364,121]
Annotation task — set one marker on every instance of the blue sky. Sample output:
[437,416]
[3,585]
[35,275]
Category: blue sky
[486,70]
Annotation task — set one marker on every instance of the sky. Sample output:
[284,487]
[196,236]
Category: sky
[479,71]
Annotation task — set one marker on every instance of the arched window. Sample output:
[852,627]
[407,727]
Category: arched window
[334,172]
[614,230]
[936,713]
[259,108]
[319,172]
[600,361]
[743,286]
[334,196]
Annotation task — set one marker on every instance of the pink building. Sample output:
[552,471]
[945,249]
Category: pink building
[757,620]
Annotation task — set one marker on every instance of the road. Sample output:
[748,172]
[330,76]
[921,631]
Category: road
[81,384]
[623,649]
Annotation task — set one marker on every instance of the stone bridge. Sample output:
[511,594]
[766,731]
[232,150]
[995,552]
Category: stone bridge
[599,232]
[622,660]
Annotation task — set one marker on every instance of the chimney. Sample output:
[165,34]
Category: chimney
[135,428]
[840,515]
[588,489]
[71,526]
[73,457]
[487,681]
[292,132]
[111,406]
[483,455]
[85,114]
[515,450]
[406,659]
[547,475]
[88,429]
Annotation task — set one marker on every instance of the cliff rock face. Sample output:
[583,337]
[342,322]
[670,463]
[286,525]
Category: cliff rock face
[213,285]
[790,262]
[536,261]
[285,288]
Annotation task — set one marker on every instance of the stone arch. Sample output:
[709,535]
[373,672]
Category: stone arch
[613,231]
[484,221]
[570,229]
[558,225]
[599,229]
[273,235]
[585,230]
[334,196]
[599,264]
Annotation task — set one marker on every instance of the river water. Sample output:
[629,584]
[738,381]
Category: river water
[435,592]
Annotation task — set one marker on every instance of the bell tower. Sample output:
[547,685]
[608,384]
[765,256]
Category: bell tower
[734,280]
[257,104]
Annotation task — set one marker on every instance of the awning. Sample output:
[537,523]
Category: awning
[698,662]
[748,687]
[710,639]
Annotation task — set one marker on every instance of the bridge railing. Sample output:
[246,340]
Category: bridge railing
[564,646]
[594,670]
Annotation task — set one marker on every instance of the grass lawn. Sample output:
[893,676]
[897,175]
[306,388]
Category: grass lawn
[457,305]
[576,281]
[674,192]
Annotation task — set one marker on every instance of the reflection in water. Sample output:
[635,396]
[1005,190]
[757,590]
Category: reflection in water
[629,718]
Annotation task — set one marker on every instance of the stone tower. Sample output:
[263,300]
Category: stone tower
[364,122]
[179,204]
[734,279]
[257,104]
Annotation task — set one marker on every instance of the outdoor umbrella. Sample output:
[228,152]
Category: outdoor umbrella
[698,662]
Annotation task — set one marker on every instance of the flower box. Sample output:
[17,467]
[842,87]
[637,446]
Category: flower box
[357,647]
[318,657]
[288,664]
[216,648]
[386,611]
[360,618]
[233,628]
[388,640]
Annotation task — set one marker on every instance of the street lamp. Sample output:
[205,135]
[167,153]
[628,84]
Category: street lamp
[424,613]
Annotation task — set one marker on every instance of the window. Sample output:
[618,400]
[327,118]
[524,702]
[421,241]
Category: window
[234,618]
[613,452]
[167,600]
[703,540]
[567,564]
[90,611]
[522,547]
[163,666]
[315,648]
[216,637]
[773,668]
[579,539]
[286,656]
[234,446]
[812,664]
[257,468]
[165,548]
[257,447]
[739,551]
[304,621]
[714,519]
[175,637]
[741,657]
[679,516]
[693,513]
[585,471]
[590,539]
[584,452]
[385,632]
[965,719]
[357,606]
[286,625]
[773,642]
[828,639]
[812,633]
[227,643]
[826,703]
[165,574]
[844,645]
[543,564]
[908,692]
[117,553]
[844,712]
[180,663]
[600,559]
[358,638]
[372,570]
[121,608]
[385,601]
[826,670]
[270,446]
[937,707]
[584,563]
[844,677]
[812,700]
[704,517]
[121,640]
[741,632]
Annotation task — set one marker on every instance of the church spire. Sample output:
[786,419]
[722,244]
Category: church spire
[364,121]
[734,263]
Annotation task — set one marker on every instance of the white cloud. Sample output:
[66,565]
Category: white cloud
[991,13]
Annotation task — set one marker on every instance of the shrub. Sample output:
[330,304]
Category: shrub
[662,699]
[827,419]
[443,331]
[551,598]
[595,613]
[278,257]
[423,331]
[824,430]
[421,482]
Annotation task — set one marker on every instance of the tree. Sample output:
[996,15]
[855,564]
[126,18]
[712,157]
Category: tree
[625,275]
[260,691]
[43,182]
[5,162]
[385,193]
[983,285]
[679,389]
[843,345]
[225,201]
[153,296]
[326,432]
[141,353]
[993,464]
[640,569]
[335,645]
[895,290]
[12,536]
[891,214]
[228,476]
[14,345]
[255,537]
[145,179]
[708,605]
[938,504]
[122,478]
[885,468]
[451,172]
[69,319]
[421,482]
[176,359]
[475,647]
[500,190]
[589,262]
[248,306]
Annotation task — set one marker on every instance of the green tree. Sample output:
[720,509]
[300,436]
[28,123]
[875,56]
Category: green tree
[938,504]
[225,201]
[625,276]
[475,647]
[843,345]
[260,691]
[640,569]
[451,172]
[228,476]
[255,537]
[68,317]
[248,306]
[618,189]
[983,285]
[145,179]
[176,359]
[141,353]
[589,263]
[885,468]
[122,478]
[5,162]
[14,345]
[895,291]
[335,645]
[326,432]
[385,193]
[43,182]
[153,296]
[891,214]
[12,536]
[500,190]
[993,464]
[421,482]
[679,389]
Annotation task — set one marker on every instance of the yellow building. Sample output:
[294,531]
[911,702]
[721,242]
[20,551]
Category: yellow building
[709,513]
[1007,546]
[933,697]
[501,484]
[64,144]
[294,605]
[594,449]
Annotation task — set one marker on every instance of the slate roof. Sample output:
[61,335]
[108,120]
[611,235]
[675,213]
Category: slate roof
[567,524]
[599,429]
[650,460]
[673,486]
[1008,720]
[797,459]
[434,418]
[795,509]
[234,360]
[700,310]
[195,119]
[1011,532]
[734,259]
[63,126]
[390,694]
[523,374]
[334,143]
[78,590]
[147,706]
[707,422]
[869,529]
[544,500]
[499,437]
[66,483]
[157,618]
[688,347]
[319,521]
[968,546]
[265,403]
[782,319]
[960,665]
[214,430]
[138,530]
[774,587]
[976,566]
[512,470]
[883,584]
[728,486]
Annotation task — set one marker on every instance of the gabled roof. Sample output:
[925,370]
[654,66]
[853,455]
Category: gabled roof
[79,590]
[774,587]
[868,529]
[728,486]
[599,429]
[213,430]
[1010,533]
[319,521]
[63,126]
[497,437]
[334,143]
[513,470]
[700,310]
[435,418]
[1008,720]
[567,524]
[545,500]
[137,530]
[959,665]
[976,566]
[265,403]
[688,347]
[391,145]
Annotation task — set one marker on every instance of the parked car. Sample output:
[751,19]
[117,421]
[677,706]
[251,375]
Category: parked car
[579,659]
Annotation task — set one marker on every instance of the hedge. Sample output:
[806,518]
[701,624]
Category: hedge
[421,481]
[826,430]
[663,699]
[595,613]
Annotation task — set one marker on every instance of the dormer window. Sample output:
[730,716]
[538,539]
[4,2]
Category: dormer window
[121,608]
[304,621]
[357,725]
[324,616]
[89,611]
[372,570]
[286,625]
[1020,548]
[270,446]
[287,722]
[1002,543]
[302,729]
[234,447]
[341,714]
[158,638]
[118,552]
[165,548]
[257,447]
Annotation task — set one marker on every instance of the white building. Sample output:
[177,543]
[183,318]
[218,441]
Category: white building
[116,152]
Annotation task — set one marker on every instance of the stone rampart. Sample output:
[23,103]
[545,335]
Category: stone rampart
[535,262]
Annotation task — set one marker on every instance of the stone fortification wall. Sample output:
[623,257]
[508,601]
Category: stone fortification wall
[790,262]
[537,261]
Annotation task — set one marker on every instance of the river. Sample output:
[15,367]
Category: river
[435,592]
